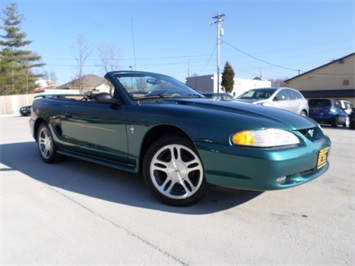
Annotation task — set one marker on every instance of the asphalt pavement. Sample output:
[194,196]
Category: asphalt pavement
[80,213]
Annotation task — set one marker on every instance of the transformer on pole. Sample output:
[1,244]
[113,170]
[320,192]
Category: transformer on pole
[218,21]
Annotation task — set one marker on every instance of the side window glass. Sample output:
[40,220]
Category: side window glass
[227,98]
[349,106]
[293,95]
[282,95]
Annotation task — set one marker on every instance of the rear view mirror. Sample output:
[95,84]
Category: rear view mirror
[153,81]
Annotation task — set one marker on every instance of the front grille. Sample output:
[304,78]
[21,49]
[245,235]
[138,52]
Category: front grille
[312,134]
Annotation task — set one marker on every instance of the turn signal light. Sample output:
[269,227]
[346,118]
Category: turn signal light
[243,138]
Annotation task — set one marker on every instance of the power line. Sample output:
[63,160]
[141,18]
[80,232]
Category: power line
[209,59]
[298,70]
[260,59]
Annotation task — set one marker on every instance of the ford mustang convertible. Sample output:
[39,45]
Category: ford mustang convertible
[179,141]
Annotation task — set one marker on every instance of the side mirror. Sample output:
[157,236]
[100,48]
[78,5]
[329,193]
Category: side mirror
[104,97]
[111,101]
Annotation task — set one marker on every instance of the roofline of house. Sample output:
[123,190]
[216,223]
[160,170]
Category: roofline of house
[305,73]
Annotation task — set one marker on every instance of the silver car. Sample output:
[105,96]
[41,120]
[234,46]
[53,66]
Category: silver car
[346,106]
[279,97]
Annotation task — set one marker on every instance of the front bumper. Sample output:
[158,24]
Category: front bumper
[262,169]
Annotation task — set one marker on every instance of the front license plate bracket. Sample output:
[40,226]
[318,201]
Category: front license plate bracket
[322,157]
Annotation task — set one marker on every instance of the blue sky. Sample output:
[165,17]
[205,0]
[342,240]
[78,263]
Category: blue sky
[272,38]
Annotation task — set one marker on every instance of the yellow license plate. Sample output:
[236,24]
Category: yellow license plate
[322,158]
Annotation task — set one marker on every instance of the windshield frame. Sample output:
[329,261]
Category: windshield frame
[140,86]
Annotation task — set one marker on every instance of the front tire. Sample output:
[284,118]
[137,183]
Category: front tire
[46,146]
[303,113]
[173,171]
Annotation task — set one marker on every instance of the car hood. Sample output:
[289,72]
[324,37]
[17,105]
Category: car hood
[256,116]
[250,100]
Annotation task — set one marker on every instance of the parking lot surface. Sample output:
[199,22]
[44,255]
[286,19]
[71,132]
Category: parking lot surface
[75,212]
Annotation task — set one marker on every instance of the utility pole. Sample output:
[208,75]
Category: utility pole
[218,21]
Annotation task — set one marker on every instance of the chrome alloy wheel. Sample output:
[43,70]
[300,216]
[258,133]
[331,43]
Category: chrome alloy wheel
[45,143]
[176,171]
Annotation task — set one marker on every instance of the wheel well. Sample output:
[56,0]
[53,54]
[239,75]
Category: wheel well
[154,134]
[38,122]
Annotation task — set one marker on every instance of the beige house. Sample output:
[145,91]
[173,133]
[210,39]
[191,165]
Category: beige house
[87,83]
[333,80]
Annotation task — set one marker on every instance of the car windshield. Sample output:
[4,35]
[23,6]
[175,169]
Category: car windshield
[257,94]
[142,86]
[319,102]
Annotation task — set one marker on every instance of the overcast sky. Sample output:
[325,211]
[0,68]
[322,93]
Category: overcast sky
[272,38]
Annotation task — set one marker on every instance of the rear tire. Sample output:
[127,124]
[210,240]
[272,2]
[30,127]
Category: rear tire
[335,122]
[173,171]
[46,146]
[352,125]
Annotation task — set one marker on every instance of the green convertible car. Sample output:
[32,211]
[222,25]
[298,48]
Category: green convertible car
[180,141]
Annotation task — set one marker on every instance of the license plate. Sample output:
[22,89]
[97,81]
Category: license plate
[322,158]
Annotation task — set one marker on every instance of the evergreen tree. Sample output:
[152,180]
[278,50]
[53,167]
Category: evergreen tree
[228,78]
[16,64]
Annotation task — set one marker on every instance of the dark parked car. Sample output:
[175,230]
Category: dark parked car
[219,96]
[351,119]
[328,111]
[25,110]
[180,141]
[280,97]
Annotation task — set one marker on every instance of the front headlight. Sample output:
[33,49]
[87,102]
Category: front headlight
[264,138]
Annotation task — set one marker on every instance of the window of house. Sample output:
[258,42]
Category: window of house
[346,82]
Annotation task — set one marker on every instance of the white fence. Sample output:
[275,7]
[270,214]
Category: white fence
[10,104]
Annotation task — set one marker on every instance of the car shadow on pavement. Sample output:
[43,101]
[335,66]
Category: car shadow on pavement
[93,180]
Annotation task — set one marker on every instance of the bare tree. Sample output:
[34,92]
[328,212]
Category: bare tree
[82,50]
[51,78]
[109,56]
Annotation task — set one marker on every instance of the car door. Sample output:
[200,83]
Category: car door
[294,102]
[282,100]
[96,129]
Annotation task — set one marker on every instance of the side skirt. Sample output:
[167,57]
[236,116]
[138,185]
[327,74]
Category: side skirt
[92,159]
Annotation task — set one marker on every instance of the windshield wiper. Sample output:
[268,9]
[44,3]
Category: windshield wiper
[157,96]
[162,96]
[194,96]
